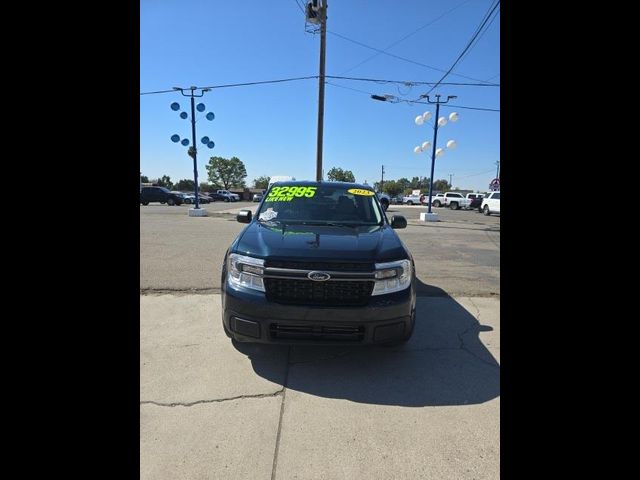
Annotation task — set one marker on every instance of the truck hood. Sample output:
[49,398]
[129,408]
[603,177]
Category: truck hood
[305,242]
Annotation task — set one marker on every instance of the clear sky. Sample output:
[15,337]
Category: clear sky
[272,128]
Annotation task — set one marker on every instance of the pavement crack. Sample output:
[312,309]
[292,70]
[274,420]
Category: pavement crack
[284,394]
[215,400]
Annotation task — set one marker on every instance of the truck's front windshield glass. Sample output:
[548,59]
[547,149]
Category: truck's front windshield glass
[323,204]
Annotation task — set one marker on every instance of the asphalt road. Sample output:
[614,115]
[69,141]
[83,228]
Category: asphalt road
[460,254]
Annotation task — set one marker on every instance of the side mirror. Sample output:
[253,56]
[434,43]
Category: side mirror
[398,221]
[244,216]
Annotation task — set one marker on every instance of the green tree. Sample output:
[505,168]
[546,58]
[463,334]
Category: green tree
[185,185]
[261,182]
[337,174]
[165,181]
[228,172]
[441,186]
[392,188]
[403,183]
[144,179]
[206,187]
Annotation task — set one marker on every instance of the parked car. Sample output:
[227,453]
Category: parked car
[491,203]
[411,199]
[227,196]
[257,197]
[202,198]
[384,199]
[455,201]
[159,194]
[438,200]
[275,274]
[396,200]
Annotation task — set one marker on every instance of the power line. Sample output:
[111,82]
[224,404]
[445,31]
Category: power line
[431,22]
[458,106]
[476,174]
[481,35]
[399,57]
[349,88]
[300,6]
[467,47]
[411,82]
[243,84]
[159,91]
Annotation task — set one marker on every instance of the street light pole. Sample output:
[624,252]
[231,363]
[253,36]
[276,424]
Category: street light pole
[193,150]
[193,143]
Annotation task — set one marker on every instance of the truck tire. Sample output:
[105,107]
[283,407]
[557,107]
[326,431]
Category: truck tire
[436,203]
[171,202]
[486,210]
[409,202]
[145,203]
[454,206]
[226,199]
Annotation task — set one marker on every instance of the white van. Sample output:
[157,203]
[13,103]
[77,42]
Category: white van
[491,203]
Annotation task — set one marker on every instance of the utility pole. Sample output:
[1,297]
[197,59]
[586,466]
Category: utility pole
[382,180]
[317,13]
[450,181]
[498,170]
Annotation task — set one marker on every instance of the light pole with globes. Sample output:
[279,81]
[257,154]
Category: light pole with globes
[193,151]
[440,122]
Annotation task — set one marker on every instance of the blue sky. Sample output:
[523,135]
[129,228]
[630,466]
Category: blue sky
[272,128]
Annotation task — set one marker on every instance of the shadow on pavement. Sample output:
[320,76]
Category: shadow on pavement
[444,363]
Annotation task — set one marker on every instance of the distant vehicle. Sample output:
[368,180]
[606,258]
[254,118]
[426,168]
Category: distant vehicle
[204,197]
[385,200]
[455,201]
[412,199]
[438,200]
[159,194]
[476,200]
[257,197]
[396,200]
[491,203]
[227,196]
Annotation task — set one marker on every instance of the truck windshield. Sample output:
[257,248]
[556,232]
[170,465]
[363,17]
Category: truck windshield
[323,204]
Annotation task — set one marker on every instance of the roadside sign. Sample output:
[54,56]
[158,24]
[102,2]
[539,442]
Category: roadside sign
[495,184]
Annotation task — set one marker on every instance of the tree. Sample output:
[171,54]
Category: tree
[261,182]
[441,186]
[144,179]
[403,183]
[186,185]
[228,172]
[165,181]
[392,188]
[338,175]
[206,187]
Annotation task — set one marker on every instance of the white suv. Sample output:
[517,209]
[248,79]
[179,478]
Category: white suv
[491,203]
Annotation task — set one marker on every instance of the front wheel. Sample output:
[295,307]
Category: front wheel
[145,203]
[436,203]
[171,202]
[453,206]
[409,202]
[486,210]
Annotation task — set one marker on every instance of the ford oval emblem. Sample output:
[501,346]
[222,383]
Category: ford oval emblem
[318,276]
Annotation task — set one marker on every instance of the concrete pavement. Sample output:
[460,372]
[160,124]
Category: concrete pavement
[429,409]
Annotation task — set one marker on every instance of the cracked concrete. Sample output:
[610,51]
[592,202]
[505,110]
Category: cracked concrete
[429,409]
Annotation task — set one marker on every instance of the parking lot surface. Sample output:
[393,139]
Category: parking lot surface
[210,409]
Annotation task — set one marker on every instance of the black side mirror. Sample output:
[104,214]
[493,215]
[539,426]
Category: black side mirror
[398,221]
[244,216]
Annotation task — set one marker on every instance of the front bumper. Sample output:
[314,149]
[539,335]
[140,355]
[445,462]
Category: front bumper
[249,317]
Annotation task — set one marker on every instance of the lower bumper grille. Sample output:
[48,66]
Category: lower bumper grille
[347,333]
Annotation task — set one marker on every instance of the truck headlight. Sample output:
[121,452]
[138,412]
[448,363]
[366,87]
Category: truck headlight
[245,271]
[392,277]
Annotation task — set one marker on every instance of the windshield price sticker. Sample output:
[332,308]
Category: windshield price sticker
[286,194]
[360,191]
